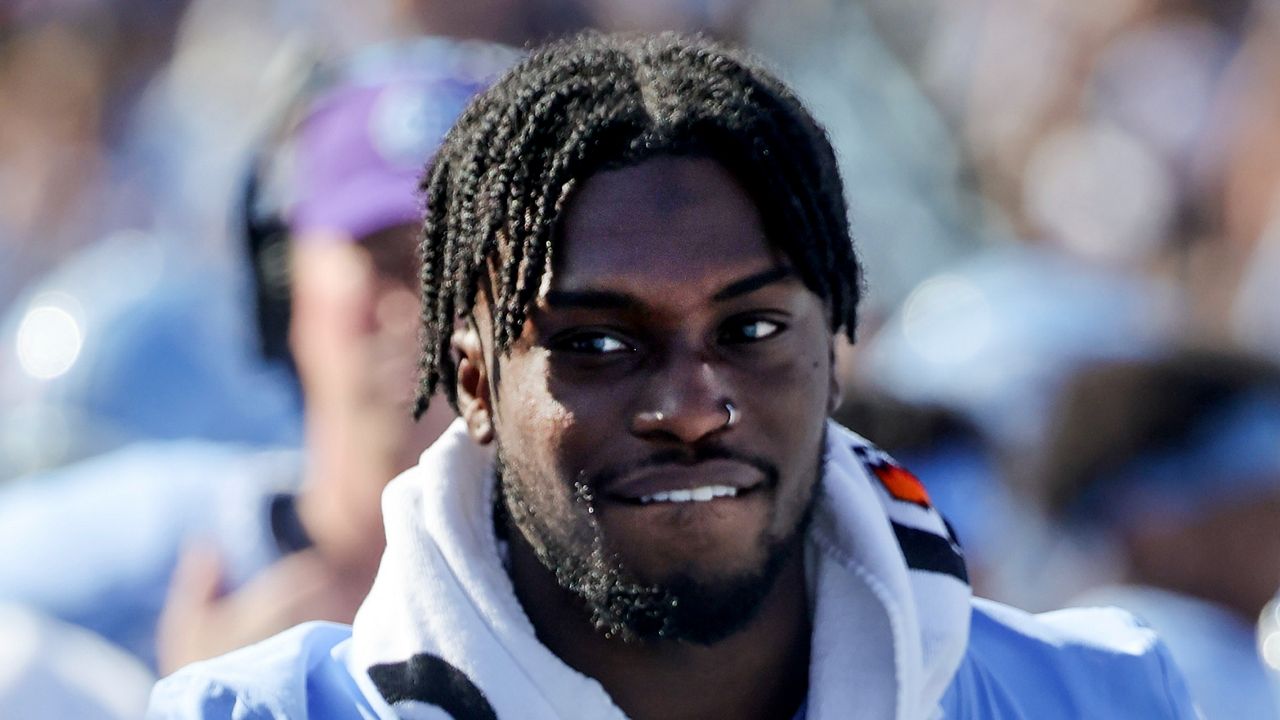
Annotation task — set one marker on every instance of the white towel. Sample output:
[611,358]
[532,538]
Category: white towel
[442,625]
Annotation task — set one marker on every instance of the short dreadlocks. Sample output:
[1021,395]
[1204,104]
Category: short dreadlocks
[573,108]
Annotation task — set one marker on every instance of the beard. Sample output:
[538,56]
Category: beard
[701,610]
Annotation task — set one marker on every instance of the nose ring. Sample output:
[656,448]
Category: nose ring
[733,415]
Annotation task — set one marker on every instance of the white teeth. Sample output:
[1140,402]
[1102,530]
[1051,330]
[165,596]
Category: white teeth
[698,494]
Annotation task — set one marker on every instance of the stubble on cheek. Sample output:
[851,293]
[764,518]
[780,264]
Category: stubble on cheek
[564,533]
[555,515]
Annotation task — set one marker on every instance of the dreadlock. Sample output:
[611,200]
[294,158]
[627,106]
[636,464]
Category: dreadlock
[596,102]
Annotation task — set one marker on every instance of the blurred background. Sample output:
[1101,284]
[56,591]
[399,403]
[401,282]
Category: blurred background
[1066,209]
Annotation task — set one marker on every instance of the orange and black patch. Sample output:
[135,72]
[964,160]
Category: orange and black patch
[899,481]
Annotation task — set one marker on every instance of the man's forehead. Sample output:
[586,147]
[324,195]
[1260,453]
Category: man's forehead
[666,217]
[669,186]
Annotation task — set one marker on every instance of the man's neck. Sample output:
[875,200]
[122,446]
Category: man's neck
[759,672]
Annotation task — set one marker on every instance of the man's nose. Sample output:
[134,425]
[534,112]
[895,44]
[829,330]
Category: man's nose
[688,402]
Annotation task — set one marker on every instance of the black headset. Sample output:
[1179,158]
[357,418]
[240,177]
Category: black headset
[259,219]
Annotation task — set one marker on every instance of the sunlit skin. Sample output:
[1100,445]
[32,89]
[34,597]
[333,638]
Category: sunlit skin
[665,302]
[354,338]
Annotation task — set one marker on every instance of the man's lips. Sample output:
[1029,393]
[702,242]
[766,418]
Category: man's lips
[677,482]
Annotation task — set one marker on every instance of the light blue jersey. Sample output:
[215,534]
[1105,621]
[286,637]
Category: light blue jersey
[1071,664]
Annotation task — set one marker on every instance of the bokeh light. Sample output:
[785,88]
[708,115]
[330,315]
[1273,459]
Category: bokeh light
[930,320]
[49,337]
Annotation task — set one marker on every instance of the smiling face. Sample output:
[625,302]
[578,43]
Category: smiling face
[621,467]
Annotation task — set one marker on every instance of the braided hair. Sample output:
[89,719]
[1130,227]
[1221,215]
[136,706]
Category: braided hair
[595,102]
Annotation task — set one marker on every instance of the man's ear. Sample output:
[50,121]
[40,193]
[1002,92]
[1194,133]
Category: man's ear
[474,402]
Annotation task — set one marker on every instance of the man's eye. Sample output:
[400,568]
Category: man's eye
[592,344]
[750,330]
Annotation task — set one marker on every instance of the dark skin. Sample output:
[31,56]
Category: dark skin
[665,303]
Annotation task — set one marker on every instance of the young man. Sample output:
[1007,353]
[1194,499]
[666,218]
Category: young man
[636,261]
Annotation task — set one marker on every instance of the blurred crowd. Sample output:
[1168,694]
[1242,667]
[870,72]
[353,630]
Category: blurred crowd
[1066,209]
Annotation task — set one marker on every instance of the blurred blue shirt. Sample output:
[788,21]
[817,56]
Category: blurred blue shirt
[95,543]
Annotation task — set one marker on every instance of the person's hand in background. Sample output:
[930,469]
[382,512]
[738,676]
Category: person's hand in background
[201,619]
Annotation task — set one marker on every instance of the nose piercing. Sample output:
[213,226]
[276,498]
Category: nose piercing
[733,415]
[652,417]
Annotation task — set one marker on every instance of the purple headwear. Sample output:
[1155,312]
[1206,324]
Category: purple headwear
[363,144]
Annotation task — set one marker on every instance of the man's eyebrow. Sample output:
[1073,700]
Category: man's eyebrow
[589,300]
[751,283]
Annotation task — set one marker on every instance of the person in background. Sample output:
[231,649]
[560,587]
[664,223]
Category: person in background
[350,211]
[177,551]
[636,263]
[1167,473]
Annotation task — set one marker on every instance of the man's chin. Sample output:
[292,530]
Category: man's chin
[692,585]
[690,606]
[709,569]
[698,572]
